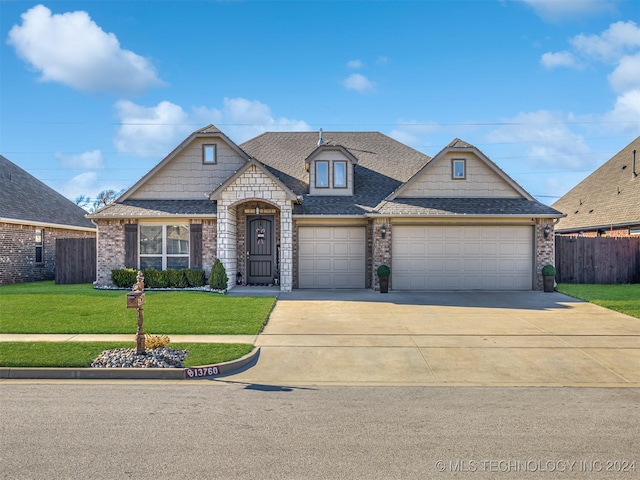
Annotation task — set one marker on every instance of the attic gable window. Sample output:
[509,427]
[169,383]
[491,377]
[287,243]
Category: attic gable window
[458,169]
[209,154]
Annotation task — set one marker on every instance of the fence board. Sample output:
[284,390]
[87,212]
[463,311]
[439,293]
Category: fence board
[603,260]
[75,260]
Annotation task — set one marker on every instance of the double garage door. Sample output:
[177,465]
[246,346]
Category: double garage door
[462,258]
[332,257]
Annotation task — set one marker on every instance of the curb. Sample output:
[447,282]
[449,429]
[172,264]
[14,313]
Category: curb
[208,371]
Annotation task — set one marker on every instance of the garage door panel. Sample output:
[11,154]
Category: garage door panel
[331,257]
[458,257]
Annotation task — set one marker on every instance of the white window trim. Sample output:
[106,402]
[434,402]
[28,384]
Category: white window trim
[164,254]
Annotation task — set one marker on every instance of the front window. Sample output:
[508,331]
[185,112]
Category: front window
[164,246]
[340,174]
[39,246]
[322,174]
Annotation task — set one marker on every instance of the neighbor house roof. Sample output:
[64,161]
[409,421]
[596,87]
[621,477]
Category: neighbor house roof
[608,197]
[26,200]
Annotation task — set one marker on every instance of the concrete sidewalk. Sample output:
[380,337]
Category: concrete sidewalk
[90,337]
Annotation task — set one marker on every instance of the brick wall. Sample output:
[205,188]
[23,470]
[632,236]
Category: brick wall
[381,249]
[17,252]
[545,249]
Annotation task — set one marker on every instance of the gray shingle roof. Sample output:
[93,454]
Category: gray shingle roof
[609,196]
[383,165]
[25,198]
[156,208]
[466,206]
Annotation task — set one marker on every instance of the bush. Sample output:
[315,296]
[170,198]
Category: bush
[218,277]
[177,278]
[155,278]
[196,278]
[384,271]
[156,341]
[124,277]
[548,271]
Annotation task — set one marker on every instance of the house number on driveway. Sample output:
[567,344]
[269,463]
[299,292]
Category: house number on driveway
[201,372]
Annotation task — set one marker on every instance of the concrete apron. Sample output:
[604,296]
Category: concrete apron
[450,338]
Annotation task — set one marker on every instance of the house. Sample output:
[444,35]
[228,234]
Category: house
[607,202]
[32,217]
[309,210]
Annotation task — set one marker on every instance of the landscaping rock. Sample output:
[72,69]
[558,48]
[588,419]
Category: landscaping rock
[127,358]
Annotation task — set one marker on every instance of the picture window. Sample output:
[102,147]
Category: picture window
[458,169]
[164,246]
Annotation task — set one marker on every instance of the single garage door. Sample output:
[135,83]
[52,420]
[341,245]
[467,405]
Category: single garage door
[331,257]
[462,258]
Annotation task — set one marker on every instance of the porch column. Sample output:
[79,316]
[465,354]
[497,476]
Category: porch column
[227,234]
[286,246]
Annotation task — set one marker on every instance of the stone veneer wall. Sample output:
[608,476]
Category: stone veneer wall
[381,249]
[252,186]
[18,252]
[545,253]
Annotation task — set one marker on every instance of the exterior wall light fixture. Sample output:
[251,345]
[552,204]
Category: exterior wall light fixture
[547,231]
[383,231]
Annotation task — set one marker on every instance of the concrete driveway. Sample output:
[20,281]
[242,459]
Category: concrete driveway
[478,338]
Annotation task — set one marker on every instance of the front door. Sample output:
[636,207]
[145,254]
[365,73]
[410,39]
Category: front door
[260,251]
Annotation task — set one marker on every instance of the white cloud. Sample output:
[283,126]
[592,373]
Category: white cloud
[84,161]
[150,131]
[544,139]
[626,75]
[560,59]
[625,114]
[556,10]
[610,45]
[382,60]
[355,64]
[154,131]
[412,132]
[84,184]
[359,83]
[72,49]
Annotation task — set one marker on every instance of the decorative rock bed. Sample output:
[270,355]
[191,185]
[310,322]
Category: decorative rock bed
[127,358]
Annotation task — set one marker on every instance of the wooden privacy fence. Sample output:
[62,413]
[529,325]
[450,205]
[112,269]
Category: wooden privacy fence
[75,260]
[604,260]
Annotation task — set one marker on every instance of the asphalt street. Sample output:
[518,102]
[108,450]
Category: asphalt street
[221,430]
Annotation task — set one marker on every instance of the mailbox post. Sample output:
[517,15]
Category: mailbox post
[135,299]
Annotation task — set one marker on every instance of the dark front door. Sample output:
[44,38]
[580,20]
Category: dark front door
[260,251]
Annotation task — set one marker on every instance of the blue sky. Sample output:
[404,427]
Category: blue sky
[93,94]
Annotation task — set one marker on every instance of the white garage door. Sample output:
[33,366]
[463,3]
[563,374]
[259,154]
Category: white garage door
[462,258]
[331,257]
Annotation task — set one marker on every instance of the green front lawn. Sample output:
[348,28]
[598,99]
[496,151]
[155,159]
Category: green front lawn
[81,354]
[621,298]
[44,307]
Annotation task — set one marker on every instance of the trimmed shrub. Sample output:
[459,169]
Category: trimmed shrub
[196,278]
[548,271]
[155,278]
[124,277]
[177,278]
[383,271]
[218,277]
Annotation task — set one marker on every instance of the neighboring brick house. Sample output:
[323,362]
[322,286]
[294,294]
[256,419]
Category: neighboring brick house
[607,202]
[32,217]
[304,210]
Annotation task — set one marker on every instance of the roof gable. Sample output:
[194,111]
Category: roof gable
[610,196]
[483,178]
[192,169]
[217,193]
[25,199]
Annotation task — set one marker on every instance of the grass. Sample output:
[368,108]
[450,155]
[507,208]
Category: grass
[43,307]
[621,298]
[81,354]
